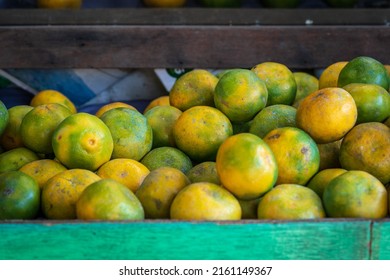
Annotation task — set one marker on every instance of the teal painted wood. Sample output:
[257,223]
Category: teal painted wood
[380,248]
[335,239]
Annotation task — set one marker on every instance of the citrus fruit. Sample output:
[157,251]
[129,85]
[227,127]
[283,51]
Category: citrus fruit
[82,141]
[200,130]
[204,172]
[296,154]
[131,133]
[158,101]
[108,199]
[322,179]
[128,172]
[330,76]
[240,127]
[113,105]
[52,96]
[367,147]
[342,3]
[327,114]
[61,192]
[387,122]
[158,190]
[246,166]
[355,194]
[205,201]
[329,154]
[249,208]
[19,196]
[272,117]
[306,84]
[4,117]
[16,158]
[38,126]
[167,156]
[280,3]
[221,3]
[42,170]
[372,102]
[194,88]
[366,70]
[59,4]
[11,138]
[161,119]
[240,95]
[290,202]
[279,80]
[164,3]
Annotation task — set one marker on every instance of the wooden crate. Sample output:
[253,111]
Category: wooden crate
[192,38]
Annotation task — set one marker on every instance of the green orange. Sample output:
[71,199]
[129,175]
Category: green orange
[4,117]
[14,159]
[52,96]
[320,180]
[204,172]
[329,154]
[306,84]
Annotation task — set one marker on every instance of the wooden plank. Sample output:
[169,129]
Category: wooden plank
[195,16]
[253,240]
[217,47]
[380,240]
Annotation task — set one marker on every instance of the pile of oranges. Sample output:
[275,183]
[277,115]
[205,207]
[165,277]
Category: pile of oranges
[259,143]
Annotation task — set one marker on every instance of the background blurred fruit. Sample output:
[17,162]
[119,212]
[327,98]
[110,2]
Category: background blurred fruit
[290,202]
[159,101]
[164,3]
[367,147]
[204,172]
[128,172]
[330,76]
[280,82]
[306,84]
[19,196]
[4,117]
[82,141]
[240,95]
[158,190]
[132,135]
[355,194]
[327,114]
[296,154]
[14,159]
[205,201]
[246,166]
[61,192]
[199,132]
[194,88]
[320,180]
[108,199]
[52,96]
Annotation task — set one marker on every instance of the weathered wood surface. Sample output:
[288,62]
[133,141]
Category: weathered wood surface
[251,240]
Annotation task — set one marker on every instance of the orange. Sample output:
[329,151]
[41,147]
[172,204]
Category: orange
[205,201]
[330,76]
[290,202]
[329,154]
[158,101]
[366,70]
[322,179]
[199,132]
[246,166]
[387,66]
[112,105]
[204,172]
[327,114]
[161,119]
[164,3]
[240,95]
[296,154]
[158,190]
[249,208]
[108,199]
[387,122]
[131,133]
[167,156]
[38,126]
[128,172]
[61,192]
[372,102]
[11,138]
[42,170]
[59,4]
[280,82]
[19,196]
[82,141]
[367,147]
[4,117]
[52,96]
[241,127]
[16,158]
[194,88]
[272,117]
[306,84]
[355,194]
